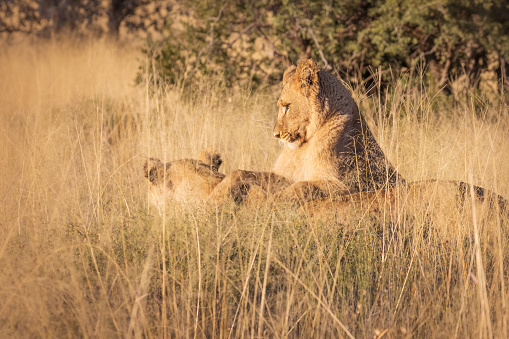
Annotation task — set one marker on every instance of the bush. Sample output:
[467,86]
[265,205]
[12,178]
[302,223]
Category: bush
[255,42]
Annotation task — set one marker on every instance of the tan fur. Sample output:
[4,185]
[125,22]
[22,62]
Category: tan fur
[211,157]
[330,149]
[185,181]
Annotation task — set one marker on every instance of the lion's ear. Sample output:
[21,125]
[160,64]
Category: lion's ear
[288,73]
[307,73]
[211,157]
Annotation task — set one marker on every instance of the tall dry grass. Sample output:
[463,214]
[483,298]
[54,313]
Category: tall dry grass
[83,254]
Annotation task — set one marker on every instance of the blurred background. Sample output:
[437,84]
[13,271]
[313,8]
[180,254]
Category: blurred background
[254,41]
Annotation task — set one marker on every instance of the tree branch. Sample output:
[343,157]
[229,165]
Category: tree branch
[310,30]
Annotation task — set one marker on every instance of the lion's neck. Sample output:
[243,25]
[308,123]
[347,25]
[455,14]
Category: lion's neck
[342,149]
[314,159]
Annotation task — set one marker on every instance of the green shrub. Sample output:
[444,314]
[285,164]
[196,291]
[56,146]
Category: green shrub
[255,41]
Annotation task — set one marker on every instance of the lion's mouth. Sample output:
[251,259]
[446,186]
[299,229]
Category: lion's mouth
[292,140]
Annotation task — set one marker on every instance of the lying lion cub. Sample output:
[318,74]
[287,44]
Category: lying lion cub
[185,181]
[189,181]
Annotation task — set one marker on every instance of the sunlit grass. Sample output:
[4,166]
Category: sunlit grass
[84,254]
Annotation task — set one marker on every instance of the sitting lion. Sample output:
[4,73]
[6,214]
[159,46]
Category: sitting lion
[183,181]
[329,149]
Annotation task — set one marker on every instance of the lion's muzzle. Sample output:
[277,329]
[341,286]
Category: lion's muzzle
[277,131]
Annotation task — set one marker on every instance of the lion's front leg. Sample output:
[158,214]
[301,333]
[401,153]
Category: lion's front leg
[242,186]
[230,186]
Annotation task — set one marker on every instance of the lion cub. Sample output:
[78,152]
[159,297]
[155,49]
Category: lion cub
[184,181]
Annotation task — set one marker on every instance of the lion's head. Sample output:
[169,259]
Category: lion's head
[308,99]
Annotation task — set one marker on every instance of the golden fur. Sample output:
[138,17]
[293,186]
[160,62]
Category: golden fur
[248,187]
[211,158]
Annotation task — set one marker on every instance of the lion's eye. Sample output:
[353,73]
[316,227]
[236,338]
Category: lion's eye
[287,108]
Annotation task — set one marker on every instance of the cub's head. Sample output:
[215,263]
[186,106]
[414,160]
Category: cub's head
[309,97]
[211,158]
[153,169]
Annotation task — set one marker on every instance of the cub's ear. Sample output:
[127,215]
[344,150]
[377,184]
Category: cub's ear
[211,157]
[307,73]
[288,73]
[154,170]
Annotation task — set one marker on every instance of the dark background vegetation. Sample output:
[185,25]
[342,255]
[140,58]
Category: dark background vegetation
[256,40]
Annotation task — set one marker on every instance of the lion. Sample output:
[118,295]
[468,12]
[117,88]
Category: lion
[328,147]
[184,181]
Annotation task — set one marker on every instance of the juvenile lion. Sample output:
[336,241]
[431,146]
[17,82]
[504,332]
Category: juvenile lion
[183,181]
[329,149]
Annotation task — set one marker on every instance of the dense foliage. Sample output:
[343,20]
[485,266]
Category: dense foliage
[254,41]
[47,17]
[259,39]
